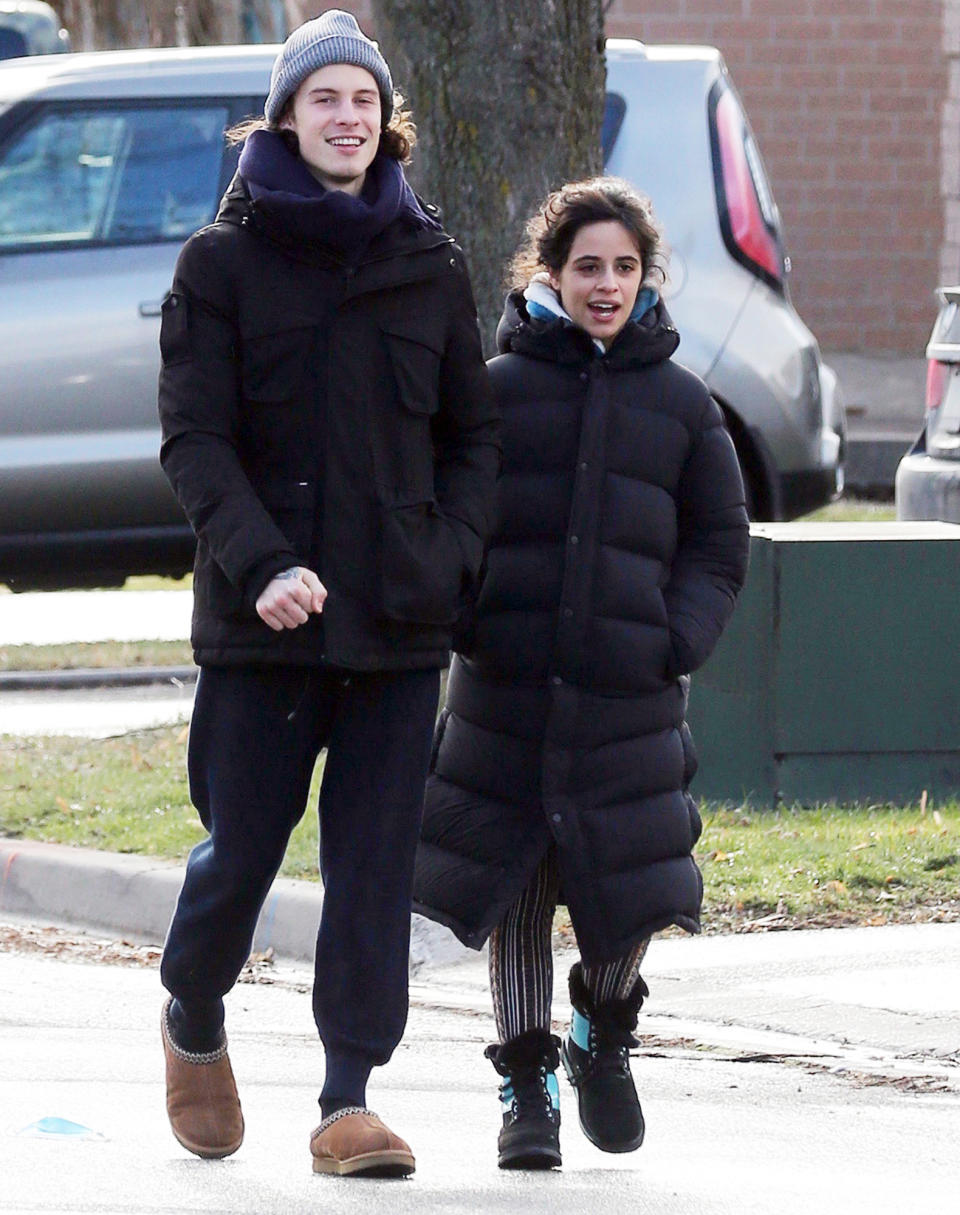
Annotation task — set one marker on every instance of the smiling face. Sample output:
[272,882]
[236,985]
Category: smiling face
[599,281]
[335,114]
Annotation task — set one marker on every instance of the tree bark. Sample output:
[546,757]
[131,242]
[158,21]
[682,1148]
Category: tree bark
[111,24]
[508,100]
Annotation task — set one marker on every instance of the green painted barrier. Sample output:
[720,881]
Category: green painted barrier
[839,676]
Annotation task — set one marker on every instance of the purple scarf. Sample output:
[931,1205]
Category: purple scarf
[286,191]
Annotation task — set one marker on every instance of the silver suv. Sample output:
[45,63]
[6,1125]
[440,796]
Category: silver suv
[109,161]
[928,476]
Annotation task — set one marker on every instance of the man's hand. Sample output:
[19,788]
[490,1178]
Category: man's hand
[287,600]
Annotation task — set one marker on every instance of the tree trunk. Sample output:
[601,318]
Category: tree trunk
[111,24]
[508,99]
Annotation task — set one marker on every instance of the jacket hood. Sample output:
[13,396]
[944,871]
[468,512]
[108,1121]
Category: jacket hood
[649,339]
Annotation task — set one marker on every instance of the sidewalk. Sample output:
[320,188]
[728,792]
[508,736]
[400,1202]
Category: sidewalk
[877,1002]
[65,617]
[100,701]
[884,398]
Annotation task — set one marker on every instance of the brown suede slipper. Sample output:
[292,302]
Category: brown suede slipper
[202,1102]
[354,1142]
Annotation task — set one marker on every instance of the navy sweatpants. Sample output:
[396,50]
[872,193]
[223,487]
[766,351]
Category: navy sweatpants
[254,739]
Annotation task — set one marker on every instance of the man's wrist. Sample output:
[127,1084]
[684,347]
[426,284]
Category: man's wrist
[259,577]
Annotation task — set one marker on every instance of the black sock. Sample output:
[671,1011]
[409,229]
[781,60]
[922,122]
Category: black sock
[330,1105]
[345,1082]
[198,1032]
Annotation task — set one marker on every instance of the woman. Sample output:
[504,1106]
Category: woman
[562,759]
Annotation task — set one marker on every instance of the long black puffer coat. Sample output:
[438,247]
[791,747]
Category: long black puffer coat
[620,548]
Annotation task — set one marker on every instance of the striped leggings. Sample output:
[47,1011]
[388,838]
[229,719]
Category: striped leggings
[521,959]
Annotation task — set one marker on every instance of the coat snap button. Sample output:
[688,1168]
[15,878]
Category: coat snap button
[568,612]
[558,818]
[574,539]
[556,681]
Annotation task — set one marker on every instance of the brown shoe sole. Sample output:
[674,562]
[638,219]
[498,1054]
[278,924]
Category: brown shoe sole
[369,1164]
[207,1153]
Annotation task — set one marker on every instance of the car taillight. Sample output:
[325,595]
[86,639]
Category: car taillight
[748,214]
[936,383]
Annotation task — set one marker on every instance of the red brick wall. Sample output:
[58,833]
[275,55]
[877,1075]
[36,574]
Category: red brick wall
[845,98]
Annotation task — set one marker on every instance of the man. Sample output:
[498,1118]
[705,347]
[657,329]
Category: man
[329,432]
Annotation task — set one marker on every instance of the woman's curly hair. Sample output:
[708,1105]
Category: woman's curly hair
[550,233]
[397,139]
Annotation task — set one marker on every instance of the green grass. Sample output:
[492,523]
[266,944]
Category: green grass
[125,794]
[97,654]
[762,868]
[832,863]
[853,510]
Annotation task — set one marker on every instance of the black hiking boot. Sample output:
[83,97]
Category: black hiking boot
[596,1058]
[530,1136]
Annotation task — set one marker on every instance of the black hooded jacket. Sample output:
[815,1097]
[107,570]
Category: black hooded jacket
[620,545]
[330,412]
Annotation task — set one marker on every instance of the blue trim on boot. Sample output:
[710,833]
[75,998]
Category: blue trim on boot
[580,1030]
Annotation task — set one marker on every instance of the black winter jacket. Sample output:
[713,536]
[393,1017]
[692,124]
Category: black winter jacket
[620,547]
[331,415]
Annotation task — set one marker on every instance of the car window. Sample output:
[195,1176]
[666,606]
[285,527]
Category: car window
[13,43]
[106,175]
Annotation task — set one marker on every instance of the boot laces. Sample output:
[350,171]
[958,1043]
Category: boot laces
[609,1055]
[529,1091]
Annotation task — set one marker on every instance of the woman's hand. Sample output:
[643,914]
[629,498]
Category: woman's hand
[288,599]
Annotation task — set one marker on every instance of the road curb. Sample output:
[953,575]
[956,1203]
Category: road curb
[136,896]
[95,677]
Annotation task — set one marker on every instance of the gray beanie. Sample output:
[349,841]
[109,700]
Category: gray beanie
[333,37]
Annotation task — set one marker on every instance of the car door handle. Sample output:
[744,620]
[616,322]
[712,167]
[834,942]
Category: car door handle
[150,308]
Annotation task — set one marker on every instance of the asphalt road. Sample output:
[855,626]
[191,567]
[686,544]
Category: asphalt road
[57,617]
[64,617]
[95,712]
[729,1131]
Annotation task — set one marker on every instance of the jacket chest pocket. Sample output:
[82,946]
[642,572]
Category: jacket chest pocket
[416,368]
[403,456]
